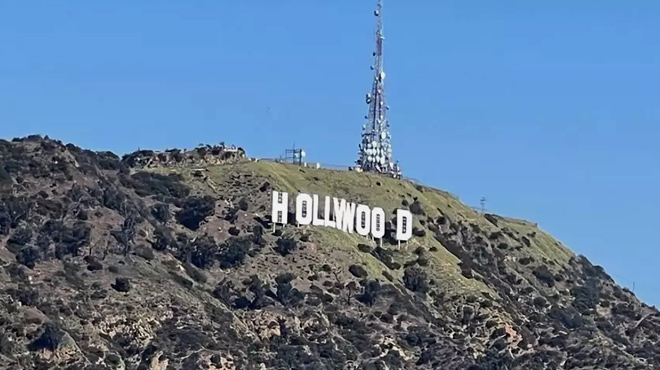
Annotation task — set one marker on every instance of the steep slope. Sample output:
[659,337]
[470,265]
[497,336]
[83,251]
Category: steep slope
[110,266]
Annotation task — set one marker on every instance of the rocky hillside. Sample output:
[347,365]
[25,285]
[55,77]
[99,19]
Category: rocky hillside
[106,265]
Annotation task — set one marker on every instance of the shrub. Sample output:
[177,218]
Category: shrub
[28,256]
[386,256]
[234,251]
[144,252]
[259,289]
[21,237]
[195,273]
[27,296]
[113,198]
[122,284]
[364,248]
[161,212]
[50,339]
[5,177]
[358,271]
[286,245]
[243,204]
[182,280]
[93,264]
[202,252]
[286,294]
[415,279]
[194,210]
[544,275]
[420,233]
[370,293]
[13,210]
[586,297]
[163,240]
[149,183]
[416,208]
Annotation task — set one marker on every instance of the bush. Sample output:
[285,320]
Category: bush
[113,198]
[13,210]
[144,252]
[68,240]
[93,264]
[386,256]
[5,177]
[28,256]
[21,237]
[163,240]
[364,248]
[416,208]
[122,285]
[415,279]
[202,252]
[286,294]
[161,212]
[27,296]
[260,290]
[544,275]
[358,271]
[186,283]
[195,274]
[286,245]
[420,233]
[370,293]
[195,210]
[243,204]
[149,183]
[50,339]
[586,297]
[234,251]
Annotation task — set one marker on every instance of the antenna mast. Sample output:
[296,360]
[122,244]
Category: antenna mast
[375,148]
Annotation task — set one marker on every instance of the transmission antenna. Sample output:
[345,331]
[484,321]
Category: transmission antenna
[375,148]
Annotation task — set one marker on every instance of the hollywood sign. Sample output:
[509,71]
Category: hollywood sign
[340,214]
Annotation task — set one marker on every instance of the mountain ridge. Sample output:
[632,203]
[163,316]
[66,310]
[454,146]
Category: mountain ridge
[155,261]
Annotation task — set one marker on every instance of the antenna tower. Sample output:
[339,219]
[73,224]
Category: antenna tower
[294,155]
[375,148]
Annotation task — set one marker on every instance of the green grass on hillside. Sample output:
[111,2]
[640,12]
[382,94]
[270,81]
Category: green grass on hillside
[379,191]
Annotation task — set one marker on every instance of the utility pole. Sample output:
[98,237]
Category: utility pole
[483,205]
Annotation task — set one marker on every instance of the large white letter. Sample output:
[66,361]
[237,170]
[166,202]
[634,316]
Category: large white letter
[345,215]
[362,220]
[280,207]
[403,225]
[329,222]
[304,209]
[316,221]
[377,222]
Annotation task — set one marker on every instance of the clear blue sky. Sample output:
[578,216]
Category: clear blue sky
[548,108]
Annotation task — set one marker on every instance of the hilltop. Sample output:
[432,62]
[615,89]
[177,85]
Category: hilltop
[168,261]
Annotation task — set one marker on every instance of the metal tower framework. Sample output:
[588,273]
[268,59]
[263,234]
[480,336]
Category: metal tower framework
[375,148]
[294,155]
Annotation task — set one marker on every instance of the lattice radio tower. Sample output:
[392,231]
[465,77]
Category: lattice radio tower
[375,149]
